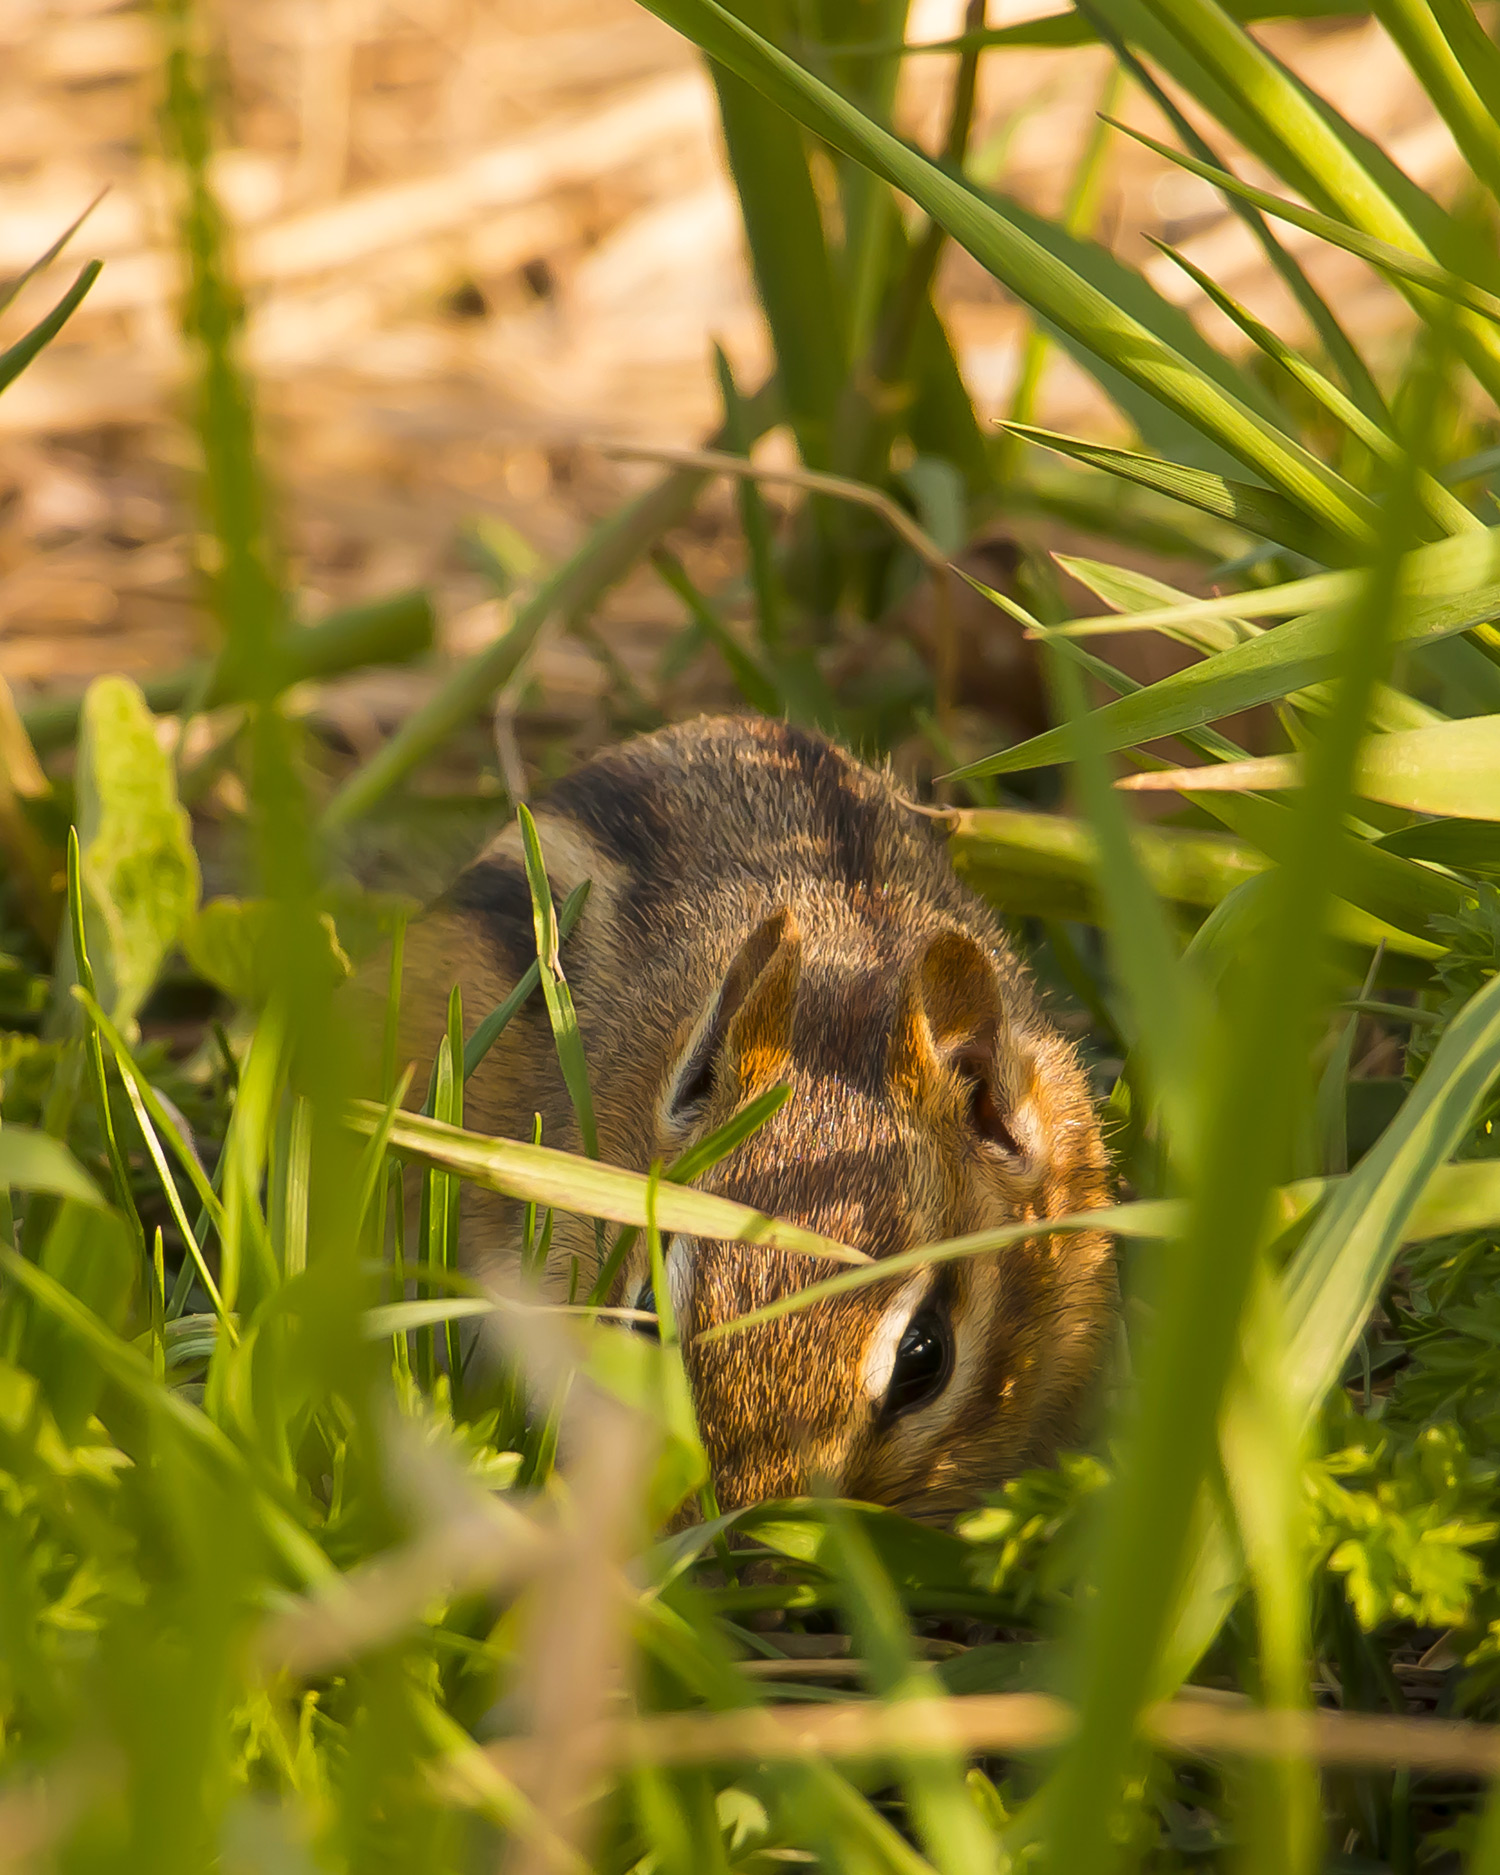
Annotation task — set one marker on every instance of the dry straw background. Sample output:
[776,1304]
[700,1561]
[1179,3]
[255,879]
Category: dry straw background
[477,237]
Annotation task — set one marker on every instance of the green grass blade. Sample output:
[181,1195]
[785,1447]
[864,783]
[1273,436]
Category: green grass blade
[691,1164]
[1337,1274]
[1160,996]
[788,253]
[136,1088]
[1023,265]
[1257,510]
[450,1108]
[1416,30]
[1397,262]
[15,359]
[570,1183]
[498,1020]
[754,521]
[1146,1538]
[751,677]
[1297,655]
[1336,342]
[948,1824]
[1445,508]
[566,1037]
[94,1050]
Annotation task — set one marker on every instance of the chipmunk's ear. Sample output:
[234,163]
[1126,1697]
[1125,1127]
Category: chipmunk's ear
[749,1029]
[951,1023]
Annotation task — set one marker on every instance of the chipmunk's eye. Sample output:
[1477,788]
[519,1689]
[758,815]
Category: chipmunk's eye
[986,1115]
[924,1362]
[646,1301]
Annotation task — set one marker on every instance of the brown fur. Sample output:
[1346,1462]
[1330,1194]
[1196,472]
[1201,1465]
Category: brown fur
[764,908]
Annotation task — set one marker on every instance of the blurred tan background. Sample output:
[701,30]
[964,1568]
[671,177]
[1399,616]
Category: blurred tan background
[476,236]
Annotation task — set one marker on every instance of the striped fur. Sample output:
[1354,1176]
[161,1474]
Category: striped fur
[765,908]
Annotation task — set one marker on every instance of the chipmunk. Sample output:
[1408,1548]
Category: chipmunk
[765,909]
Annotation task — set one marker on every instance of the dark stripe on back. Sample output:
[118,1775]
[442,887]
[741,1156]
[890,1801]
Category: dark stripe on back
[847,822]
[628,808]
[495,893]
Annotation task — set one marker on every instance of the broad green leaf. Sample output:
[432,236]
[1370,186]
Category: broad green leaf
[1022,264]
[138,867]
[226,942]
[32,1161]
[569,1183]
[1468,845]
[1446,769]
[1258,511]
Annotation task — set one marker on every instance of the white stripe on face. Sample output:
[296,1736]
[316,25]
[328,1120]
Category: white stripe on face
[880,1351]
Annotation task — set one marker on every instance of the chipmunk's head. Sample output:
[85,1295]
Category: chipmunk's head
[928,1101]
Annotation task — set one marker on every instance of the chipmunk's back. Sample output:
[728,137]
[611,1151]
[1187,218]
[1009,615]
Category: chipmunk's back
[763,908]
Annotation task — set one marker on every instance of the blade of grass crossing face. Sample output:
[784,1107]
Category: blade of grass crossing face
[560,1012]
[1022,264]
[587,1188]
[691,1164]
[1143,1548]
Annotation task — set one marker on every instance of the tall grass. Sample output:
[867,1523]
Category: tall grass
[288,1582]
